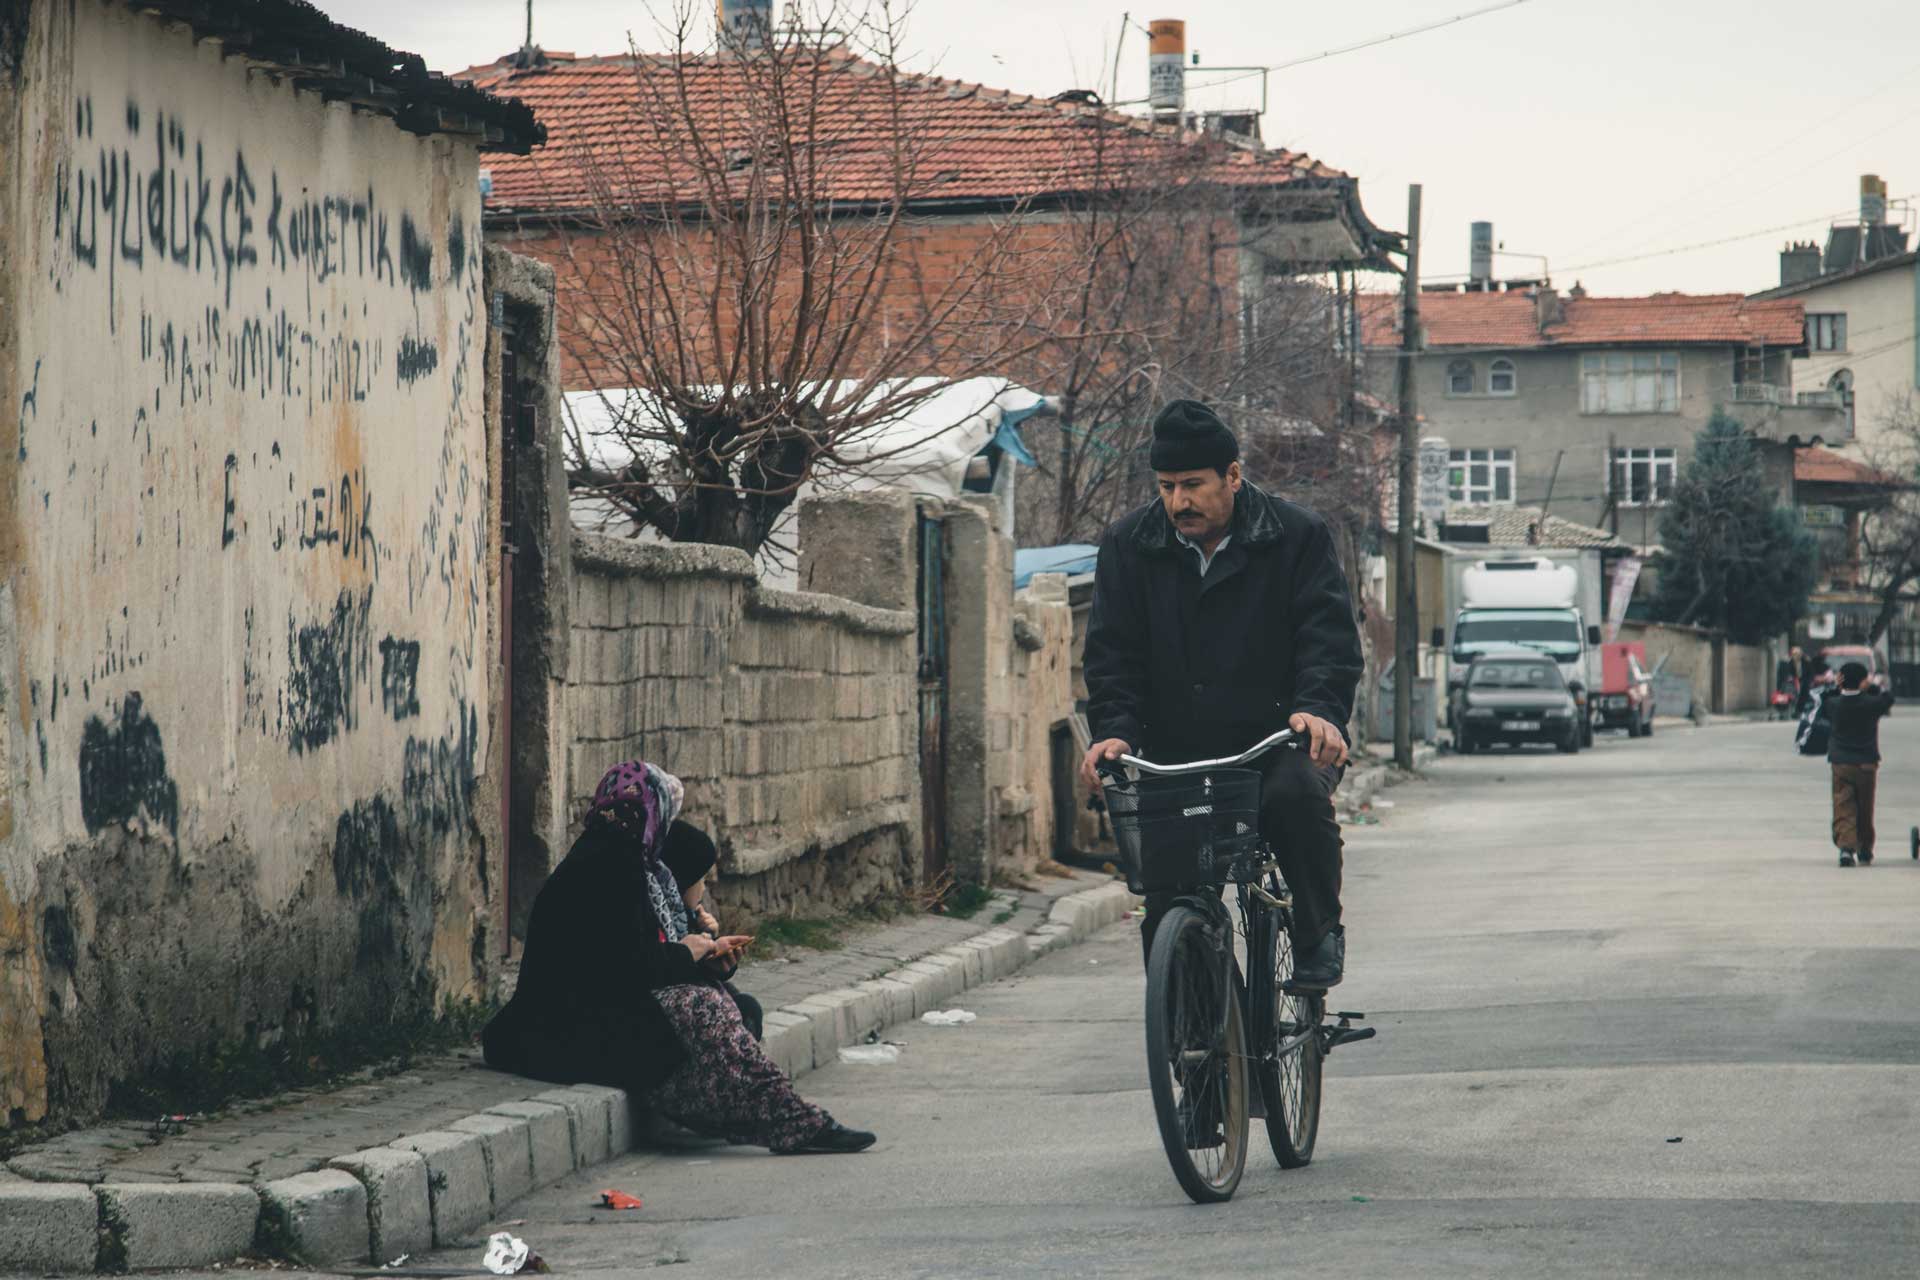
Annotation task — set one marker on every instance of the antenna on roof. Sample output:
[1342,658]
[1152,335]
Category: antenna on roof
[530,54]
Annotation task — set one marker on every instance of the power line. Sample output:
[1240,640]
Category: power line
[1374,42]
[1712,244]
[1751,161]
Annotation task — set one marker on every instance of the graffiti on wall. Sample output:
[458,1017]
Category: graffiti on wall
[286,411]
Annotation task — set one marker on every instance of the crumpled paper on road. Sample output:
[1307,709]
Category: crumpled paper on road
[871,1055]
[947,1017]
[506,1254]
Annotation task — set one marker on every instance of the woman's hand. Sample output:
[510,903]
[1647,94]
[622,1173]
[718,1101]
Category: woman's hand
[700,945]
[728,949]
[704,921]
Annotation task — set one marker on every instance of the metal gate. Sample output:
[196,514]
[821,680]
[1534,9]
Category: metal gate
[1903,657]
[932,634]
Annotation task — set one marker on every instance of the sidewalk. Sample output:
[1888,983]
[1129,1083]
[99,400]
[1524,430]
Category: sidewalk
[402,1162]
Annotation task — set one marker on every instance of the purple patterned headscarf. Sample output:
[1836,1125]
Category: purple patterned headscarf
[642,800]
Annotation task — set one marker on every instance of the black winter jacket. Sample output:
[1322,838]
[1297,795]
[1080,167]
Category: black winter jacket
[584,1010]
[1183,668]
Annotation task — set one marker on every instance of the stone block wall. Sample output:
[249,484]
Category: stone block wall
[790,716]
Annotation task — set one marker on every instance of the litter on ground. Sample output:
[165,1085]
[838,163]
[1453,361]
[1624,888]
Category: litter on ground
[870,1055]
[612,1199]
[947,1017]
[505,1255]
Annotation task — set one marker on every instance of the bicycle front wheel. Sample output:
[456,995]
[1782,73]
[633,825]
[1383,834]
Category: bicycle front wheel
[1290,1061]
[1196,1058]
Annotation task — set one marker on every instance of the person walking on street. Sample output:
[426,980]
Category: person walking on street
[1854,753]
[1220,615]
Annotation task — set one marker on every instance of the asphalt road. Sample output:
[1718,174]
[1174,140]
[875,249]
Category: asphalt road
[1572,961]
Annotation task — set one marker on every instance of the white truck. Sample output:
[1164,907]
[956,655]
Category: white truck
[1536,602]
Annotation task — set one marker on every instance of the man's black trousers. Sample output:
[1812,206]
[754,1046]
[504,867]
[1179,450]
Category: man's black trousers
[1296,819]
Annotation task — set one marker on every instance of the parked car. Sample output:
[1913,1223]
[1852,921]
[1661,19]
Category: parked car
[1626,690]
[1836,656]
[1516,699]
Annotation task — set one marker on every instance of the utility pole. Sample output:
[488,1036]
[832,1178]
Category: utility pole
[1407,607]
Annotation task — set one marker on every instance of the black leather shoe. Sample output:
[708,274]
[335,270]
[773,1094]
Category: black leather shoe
[1846,857]
[836,1139]
[1866,857]
[1322,965]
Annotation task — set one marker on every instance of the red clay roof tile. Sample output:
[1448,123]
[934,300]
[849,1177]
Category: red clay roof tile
[1824,466]
[970,142]
[1504,321]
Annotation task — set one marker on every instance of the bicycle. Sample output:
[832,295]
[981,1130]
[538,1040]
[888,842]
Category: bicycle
[1192,829]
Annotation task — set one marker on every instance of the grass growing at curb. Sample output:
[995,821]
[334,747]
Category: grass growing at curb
[814,935]
[964,902]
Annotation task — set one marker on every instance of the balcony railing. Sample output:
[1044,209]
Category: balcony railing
[1775,413]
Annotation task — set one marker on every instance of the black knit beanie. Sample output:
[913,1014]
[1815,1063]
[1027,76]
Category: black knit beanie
[688,853]
[1188,436]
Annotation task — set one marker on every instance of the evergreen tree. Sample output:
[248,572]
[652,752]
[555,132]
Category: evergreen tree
[1736,560]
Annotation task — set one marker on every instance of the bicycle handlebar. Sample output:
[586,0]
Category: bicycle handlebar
[1259,748]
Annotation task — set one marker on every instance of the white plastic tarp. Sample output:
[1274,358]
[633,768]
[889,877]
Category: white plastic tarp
[924,450]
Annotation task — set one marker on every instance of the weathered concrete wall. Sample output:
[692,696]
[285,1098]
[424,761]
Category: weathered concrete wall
[1738,679]
[1748,678]
[791,717]
[1040,683]
[247,578]
[539,546]
[1687,651]
[979,730]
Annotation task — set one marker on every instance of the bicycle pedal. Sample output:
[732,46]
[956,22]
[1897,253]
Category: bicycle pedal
[1346,1015]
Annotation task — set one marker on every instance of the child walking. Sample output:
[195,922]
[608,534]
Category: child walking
[1854,753]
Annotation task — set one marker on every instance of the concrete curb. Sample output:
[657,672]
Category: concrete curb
[1359,787]
[439,1188]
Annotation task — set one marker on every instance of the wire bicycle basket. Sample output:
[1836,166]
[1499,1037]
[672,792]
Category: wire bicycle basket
[1183,832]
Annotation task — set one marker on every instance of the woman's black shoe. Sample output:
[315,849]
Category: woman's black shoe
[836,1139]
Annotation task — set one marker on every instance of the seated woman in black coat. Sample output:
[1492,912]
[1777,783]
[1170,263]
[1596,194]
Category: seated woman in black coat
[689,854]
[618,988]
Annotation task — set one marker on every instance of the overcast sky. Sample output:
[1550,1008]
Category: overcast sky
[1585,130]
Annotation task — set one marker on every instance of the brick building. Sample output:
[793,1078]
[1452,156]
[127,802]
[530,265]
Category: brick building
[978,155]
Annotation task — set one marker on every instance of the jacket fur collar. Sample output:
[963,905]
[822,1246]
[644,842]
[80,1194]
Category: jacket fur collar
[1255,523]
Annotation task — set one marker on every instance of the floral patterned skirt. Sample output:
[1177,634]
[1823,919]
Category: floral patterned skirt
[728,1086]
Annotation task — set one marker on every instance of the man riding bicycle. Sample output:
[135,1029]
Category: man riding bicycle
[1220,614]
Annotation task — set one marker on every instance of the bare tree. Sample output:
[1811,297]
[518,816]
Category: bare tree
[1161,296]
[1889,550]
[749,266]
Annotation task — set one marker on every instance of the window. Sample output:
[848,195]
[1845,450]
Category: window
[1500,379]
[1517,675]
[1642,477]
[1480,475]
[1841,384]
[1460,378]
[1630,382]
[1827,330]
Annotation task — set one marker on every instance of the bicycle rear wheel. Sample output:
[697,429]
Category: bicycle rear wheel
[1289,1079]
[1196,1059]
